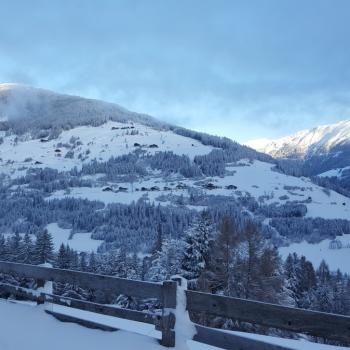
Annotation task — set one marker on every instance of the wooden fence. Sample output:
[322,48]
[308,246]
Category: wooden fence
[164,292]
[319,324]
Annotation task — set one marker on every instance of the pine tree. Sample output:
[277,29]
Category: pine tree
[43,250]
[26,255]
[197,246]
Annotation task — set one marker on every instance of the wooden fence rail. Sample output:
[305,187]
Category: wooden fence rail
[165,292]
[319,324]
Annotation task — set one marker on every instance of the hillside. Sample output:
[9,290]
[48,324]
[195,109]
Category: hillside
[81,168]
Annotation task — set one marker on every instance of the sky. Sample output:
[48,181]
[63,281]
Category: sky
[244,69]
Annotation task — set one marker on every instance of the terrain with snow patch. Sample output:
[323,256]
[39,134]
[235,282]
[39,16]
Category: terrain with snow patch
[41,129]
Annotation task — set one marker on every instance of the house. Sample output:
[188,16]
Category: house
[209,186]
[231,187]
[107,189]
[122,189]
[155,188]
[137,144]
[153,146]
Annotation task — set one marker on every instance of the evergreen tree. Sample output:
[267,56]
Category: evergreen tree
[197,246]
[43,250]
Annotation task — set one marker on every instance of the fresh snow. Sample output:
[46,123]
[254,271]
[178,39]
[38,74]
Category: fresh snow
[256,178]
[306,142]
[100,143]
[335,258]
[334,172]
[19,330]
[80,241]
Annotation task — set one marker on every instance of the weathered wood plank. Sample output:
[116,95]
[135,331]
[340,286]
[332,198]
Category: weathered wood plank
[331,326]
[169,294]
[228,341]
[84,279]
[82,322]
[108,310]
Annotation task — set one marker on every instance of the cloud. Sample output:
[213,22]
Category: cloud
[243,69]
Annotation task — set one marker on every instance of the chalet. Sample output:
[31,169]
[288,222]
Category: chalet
[210,186]
[107,189]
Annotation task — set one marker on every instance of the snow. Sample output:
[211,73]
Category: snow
[101,143]
[256,178]
[334,172]
[259,179]
[26,326]
[335,258]
[307,142]
[80,241]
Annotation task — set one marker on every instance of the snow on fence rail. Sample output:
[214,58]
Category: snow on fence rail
[165,292]
[319,324]
[329,326]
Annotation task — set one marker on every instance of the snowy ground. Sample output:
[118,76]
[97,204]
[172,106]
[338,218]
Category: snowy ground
[24,326]
[99,143]
[256,178]
[80,241]
[335,258]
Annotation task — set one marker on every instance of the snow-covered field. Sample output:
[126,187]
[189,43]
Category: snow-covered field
[100,143]
[335,258]
[79,241]
[256,178]
[28,327]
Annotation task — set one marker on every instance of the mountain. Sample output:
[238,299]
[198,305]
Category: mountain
[324,139]
[99,177]
[323,151]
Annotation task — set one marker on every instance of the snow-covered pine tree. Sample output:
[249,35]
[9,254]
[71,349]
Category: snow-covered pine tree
[197,246]
[43,249]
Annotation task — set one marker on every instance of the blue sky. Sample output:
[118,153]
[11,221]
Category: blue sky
[244,69]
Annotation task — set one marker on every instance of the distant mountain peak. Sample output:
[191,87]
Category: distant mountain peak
[306,143]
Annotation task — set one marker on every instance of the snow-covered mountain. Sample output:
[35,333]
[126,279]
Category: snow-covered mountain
[323,151]
[81,168]
[307,143]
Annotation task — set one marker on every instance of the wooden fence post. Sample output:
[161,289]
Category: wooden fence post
[168,317]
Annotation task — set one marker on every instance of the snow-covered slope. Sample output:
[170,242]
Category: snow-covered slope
[41,109]
[306,143]
[83,143]
[44,130]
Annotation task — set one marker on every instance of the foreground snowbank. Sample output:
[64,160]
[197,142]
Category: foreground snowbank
[25,326]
